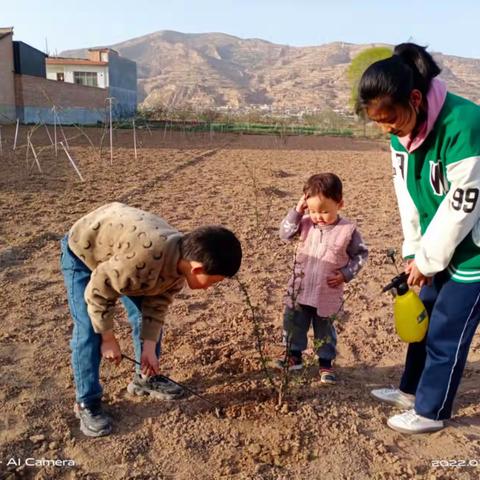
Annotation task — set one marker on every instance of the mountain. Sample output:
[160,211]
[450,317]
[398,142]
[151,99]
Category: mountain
[214,69]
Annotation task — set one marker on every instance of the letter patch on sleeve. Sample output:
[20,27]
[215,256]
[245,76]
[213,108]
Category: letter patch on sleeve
[400,165]
[437,178]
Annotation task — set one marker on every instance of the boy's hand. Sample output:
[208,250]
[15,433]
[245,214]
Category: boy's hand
[149,359]
[301,205]
[415,276]
[110,348]
[335,280]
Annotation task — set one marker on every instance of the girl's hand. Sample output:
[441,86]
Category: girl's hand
[415,276]
[149,359]
[335,280]
[301,205]
[408,262]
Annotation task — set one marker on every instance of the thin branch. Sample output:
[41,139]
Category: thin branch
[257,333]
[72,162]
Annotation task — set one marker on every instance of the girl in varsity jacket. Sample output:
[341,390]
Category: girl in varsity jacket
[435,146]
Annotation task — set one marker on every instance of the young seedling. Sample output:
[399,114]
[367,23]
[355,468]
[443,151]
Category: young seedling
[261,212]
[293,294]
[280,386]
[257,334]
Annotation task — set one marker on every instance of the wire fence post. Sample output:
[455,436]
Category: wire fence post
[135,140]
[111,130]
[48,133]
[61,128]
[16,135]
[30,145]
[72,162]
[55,130]
[27,153]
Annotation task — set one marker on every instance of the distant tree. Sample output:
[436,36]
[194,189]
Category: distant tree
[360,63]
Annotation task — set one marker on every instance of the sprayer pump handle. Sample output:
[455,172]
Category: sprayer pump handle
[399,282]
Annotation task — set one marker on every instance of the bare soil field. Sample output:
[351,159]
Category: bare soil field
[247,184]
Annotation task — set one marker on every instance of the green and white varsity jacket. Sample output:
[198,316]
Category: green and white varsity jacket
[437,188]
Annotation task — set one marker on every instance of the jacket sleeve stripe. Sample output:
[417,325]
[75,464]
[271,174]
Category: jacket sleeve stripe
[408,211]
[455,217]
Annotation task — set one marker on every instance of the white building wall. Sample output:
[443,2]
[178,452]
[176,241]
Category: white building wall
[52,71]
[102,72]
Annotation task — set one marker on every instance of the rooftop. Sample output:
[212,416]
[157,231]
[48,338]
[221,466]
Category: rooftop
[5,31]
[72,61]
[103,49]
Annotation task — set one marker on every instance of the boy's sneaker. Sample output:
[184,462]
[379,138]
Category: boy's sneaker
[394,396]
[412,422]
[156,386]
[292,362]
[94,422]
[327,376]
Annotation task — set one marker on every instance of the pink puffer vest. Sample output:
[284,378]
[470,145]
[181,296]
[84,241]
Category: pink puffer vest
[322,250]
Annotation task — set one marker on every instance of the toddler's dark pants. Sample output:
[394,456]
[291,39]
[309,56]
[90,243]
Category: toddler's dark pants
[296,323]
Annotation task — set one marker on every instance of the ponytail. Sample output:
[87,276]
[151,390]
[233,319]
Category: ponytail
[410,67]
[423,66]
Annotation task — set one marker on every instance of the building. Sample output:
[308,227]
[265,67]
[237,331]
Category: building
[77,70]
[104,68]
[28,60]
[7,81]
[35,88]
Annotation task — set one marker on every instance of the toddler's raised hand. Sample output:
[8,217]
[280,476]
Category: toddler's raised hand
[301,205]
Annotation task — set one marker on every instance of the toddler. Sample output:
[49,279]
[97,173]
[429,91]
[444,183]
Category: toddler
[330,253]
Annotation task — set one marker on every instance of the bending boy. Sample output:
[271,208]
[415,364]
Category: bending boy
[121,252]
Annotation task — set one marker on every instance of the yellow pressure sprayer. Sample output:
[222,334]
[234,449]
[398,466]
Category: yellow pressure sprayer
[411,318]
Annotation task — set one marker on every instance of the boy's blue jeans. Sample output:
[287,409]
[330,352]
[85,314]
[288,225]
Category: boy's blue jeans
[85,343]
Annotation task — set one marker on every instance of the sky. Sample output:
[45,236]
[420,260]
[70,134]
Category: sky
[445,26]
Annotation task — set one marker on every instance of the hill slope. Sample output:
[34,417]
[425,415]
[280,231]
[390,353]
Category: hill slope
[214,69]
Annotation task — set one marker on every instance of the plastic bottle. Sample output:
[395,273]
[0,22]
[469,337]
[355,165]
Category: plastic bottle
[411,318]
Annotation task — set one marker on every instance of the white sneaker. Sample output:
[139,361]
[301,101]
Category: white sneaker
[394,396]
[411,422]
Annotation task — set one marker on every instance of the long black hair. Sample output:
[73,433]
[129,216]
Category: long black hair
[410,67]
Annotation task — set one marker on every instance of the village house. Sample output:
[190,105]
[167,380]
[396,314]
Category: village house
[36,88]
[104,68]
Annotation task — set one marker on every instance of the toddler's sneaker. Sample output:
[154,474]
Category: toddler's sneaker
[394,396]
[156,386]
[94,422]
[411,422]
[291,361]
[327,376]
